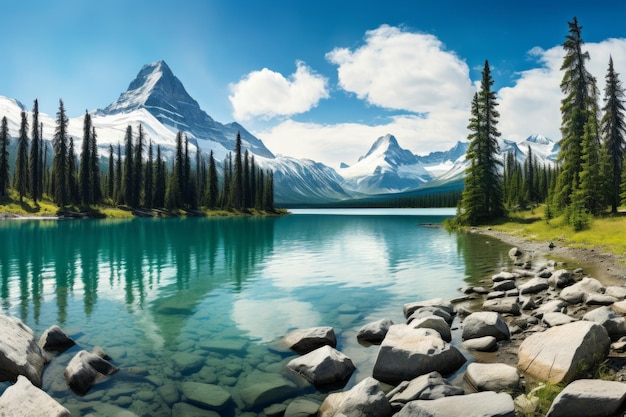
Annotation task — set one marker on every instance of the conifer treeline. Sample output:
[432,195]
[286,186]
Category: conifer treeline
[134,176]
[591,167]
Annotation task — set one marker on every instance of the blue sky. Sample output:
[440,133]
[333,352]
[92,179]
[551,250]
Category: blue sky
[318,79]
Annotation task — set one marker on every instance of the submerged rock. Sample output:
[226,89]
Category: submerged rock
[55,339]
[208,396]
[85,369]
[25,399]
[19,352]
[407,353]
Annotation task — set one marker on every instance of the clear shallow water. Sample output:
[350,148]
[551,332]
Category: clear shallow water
[175,300]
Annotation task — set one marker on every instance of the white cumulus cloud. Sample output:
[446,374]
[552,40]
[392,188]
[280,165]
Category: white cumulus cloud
[397,69]
[269,94]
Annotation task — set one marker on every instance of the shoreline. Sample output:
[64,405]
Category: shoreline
[607,267]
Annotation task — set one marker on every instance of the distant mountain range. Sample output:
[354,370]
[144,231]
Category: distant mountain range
[158,101]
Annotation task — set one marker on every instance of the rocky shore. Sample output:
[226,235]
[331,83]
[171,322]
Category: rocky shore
[489,352]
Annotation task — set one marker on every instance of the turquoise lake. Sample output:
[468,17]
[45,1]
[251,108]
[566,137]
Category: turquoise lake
[202,299]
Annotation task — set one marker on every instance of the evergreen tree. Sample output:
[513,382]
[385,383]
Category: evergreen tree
[118,193]
[128,181]
[589,192]
[34,159]
[4,157]
[138,169]
[149,178]
[253,183]
[579,87]
[111,176]
[212,191]
[258,202]
[613,130]
[20,180]
[71,184]
[236,195]
[60,161]
[94,169]
[246,181]
[159,180]
[85,162]
[482,153]
[225,201]
[529,180]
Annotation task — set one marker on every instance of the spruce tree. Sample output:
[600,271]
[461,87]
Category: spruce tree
[111,175]
[613,129]
[253,180]
[71,184]
[483,197]
[589,192]
[118,193]
[94,169]
[60,161]
[148,179]
[212,191]
[246,181]
[35,149]
[138,168]
[85,162]
[128,181]
[4,157]
[579,87]
[160,181]
[20,180]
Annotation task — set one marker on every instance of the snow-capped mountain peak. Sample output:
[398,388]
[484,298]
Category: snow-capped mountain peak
[387,148]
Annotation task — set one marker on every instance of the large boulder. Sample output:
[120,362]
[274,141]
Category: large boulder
[366,399]
[560,279]
[25,399]
[433,322]
[589,398]
[303,341]
[407,353]
[425,387]
[533,286]
[506,305]
[374,332]
[85,369]
[492,376]
[482,404]
[485,323]
[614,324]
[325,365]
[560,353]
[19,352]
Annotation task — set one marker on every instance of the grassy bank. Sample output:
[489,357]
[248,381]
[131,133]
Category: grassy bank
[604,233]
[11,205]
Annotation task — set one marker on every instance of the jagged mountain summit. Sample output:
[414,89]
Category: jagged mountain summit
[157,90]
[385,168]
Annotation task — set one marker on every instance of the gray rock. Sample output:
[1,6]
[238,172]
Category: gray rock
[211,397]
[55,339]
[307,340]
[482,404]
[431,311]
[425,387]
[19,352]
[615,325]
[619,307]
[25,399]
[507,305]
[188,362]
[559,353]
[275,410]
[442,303]
[556,319]
[515,252]
[560,279]
[481,344]
[504,276]
[485,323]
[374,332]
[85,369]
[505,285]
[618,292]
[324,365]
[495,294]
[435,323]
[552,306]
[302,407]
[265,388]
[366,399]
[407,353]
[599,300]
[533,286]
[492,376]
[589,398]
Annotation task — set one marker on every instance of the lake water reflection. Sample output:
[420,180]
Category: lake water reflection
[176,300]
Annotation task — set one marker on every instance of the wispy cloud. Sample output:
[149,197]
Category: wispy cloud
[268,94]
[397,69]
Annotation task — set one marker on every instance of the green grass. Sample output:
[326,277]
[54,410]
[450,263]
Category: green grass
[606,233]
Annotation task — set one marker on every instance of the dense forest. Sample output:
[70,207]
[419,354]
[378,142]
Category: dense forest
[137,175]
[589,179]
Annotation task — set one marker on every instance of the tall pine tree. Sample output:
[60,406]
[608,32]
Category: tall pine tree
[128,181]
[60,161]
[85,162]
[20,181]
[580,101]
[148,190]
[94,168]
[34,158]
[613,129]
[4,157]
